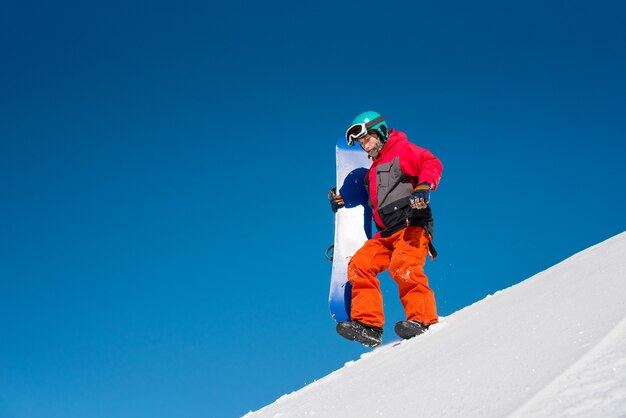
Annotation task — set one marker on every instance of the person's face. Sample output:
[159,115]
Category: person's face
[370,144]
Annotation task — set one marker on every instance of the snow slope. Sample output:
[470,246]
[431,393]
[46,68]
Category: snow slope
[551,346]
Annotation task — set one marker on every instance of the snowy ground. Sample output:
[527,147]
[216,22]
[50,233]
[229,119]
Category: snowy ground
[551,346]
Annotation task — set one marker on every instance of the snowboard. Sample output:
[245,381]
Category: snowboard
[353,223]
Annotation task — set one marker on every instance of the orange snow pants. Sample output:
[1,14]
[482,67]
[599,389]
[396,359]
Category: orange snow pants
[404,254]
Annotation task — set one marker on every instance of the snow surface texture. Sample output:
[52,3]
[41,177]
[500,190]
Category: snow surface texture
[551,346]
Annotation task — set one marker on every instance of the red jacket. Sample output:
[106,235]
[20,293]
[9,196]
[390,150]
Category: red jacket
[400,166]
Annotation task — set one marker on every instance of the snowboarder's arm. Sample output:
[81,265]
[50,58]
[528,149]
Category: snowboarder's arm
[422,165]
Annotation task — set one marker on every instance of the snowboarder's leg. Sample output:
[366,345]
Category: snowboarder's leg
[407,270]
[367,299]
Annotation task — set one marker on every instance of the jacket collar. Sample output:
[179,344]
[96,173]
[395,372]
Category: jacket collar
[395,137]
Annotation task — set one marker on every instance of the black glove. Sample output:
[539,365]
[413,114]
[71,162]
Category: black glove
[336,201]
[420,198]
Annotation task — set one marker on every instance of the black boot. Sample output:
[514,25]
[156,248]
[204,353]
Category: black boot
[368,335]
[409,329]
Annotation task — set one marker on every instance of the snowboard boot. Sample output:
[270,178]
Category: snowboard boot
[409,329]
[368,335]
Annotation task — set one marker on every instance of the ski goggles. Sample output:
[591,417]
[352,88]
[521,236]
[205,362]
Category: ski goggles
[359,130]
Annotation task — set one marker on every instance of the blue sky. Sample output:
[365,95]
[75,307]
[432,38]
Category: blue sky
[164,170]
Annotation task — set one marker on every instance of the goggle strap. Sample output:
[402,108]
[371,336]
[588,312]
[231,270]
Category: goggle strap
[373,122]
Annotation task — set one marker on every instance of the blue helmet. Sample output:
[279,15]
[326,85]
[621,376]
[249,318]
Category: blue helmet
[367,121]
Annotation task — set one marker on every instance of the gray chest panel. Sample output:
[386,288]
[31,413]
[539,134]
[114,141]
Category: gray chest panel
[393,184]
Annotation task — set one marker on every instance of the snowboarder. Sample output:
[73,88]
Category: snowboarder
[399,183]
